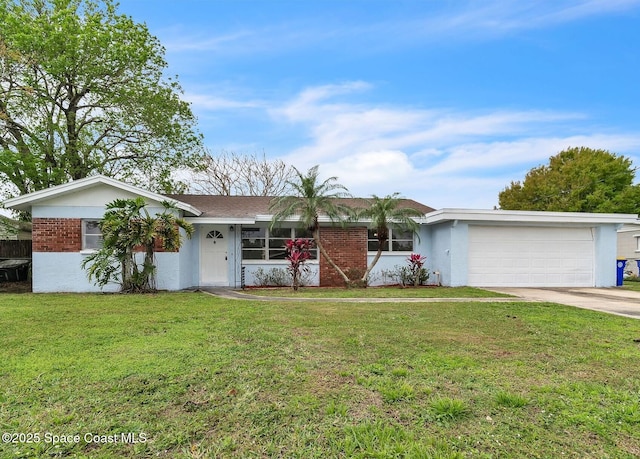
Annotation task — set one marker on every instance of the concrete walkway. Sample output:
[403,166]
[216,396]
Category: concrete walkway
[610,300]
[240,295]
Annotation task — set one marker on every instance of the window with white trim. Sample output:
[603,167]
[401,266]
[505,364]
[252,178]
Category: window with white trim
[637,236]
[264,244]
[91,235]
[401,240]
[398,241]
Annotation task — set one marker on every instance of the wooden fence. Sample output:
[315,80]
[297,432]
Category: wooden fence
[15,249]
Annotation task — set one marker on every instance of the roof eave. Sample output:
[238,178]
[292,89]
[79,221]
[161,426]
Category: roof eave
[525,216]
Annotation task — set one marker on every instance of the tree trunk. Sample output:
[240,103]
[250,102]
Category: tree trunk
[316,237]
[375,260]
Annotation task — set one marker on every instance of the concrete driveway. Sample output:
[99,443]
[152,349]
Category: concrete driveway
[611,300]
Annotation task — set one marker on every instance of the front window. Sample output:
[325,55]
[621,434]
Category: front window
[277,239]
[402,241]
[91,235]
[253,243]
[265,244]
[399,241]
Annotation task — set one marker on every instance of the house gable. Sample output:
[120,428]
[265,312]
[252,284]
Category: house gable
[91,192]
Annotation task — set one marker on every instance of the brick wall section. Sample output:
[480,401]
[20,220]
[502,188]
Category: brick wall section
[57,234]
[157,247]
[64,235]
[347,247]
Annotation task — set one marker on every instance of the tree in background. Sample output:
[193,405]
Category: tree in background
[384,213]
[81,92]
[127,228]
[308,200]
[576,180]
[233,174]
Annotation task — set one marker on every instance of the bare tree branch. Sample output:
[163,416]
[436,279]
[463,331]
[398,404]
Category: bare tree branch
[234,174]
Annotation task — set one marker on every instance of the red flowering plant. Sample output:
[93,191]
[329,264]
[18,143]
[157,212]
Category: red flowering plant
[298,252]
[416,273]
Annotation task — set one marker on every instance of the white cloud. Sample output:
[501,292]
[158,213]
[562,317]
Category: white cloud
[426,22]
[209,102]
[491,155]
[337,130]
[181,41]
[362,169]
[443,158]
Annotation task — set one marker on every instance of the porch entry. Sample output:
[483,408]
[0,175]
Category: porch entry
[214,246]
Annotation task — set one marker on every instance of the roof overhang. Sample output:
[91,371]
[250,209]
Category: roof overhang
[221,220]
[526,216]
[25,202]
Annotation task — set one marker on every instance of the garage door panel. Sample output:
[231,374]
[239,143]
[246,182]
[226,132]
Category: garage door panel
[530,256]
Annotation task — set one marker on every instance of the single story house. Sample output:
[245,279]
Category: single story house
[232,242]
[629,247]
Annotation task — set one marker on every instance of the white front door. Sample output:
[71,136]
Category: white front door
[214,246]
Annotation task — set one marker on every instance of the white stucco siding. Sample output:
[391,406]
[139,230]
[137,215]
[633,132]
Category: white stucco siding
[440,253]
[251,267]
[62,272]
[386,266]
[605,256]
[168,271]
[523,256]
[98,195]
[188,262]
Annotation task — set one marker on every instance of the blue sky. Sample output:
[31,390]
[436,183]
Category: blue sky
[443,101]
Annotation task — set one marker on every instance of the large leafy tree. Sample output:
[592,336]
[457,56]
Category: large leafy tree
[128,228]
[309,199]
[82,91]
[576,180]
[385,213]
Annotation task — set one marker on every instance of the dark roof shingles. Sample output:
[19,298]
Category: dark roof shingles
[250,206]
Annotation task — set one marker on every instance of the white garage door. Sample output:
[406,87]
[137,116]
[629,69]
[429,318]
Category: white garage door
[531,257]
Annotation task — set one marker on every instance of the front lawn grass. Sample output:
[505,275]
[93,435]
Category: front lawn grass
[632,285]
[194,376]
[376,292]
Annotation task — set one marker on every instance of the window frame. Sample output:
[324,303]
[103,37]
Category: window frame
[270,247]
[92,235]
[390,242]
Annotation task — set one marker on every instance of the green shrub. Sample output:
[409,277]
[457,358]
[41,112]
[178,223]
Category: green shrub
[278,277]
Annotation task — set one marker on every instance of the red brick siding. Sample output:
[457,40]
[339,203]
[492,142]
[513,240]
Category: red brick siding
[347,247]
[57,234]
[65,235]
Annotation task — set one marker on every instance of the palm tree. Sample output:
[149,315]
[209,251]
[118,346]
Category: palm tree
[126,228]
[385,212]
[308,200]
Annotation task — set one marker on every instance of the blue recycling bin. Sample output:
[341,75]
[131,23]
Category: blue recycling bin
[620,264]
